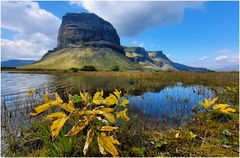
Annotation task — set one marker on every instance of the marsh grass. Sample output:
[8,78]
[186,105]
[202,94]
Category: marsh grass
[216,79]
[217,133]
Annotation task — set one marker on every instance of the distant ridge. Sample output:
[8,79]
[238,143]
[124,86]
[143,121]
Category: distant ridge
[157,58]
[16,63]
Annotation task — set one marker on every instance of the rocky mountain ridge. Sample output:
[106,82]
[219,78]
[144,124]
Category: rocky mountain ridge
[140,55]
[87,39]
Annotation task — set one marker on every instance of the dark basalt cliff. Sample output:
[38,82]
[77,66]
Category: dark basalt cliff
[79,28]
[86,30]
[87,39]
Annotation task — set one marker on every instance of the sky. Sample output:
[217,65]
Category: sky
[200,34]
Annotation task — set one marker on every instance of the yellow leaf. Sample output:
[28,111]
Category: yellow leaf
[90,112]
[110,100]
[89,139]
[211,102]
[100,145]
[58,98]
[56,115]
[201,103]
[109,117]
[117,93]
[224,108]
[227,110]
[30,91]
[208,103]
[41,108]
[97,98]
[68,107]
[231,110]
[114,141]
[107,143]
[107,109]
[220,106]
[80,125]
[192,135]
[85,97]
[45,98]
[124,102]
[57,126]
[177,135]
[123,115]
[108,128]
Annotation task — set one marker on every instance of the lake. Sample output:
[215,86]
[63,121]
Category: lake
[172,102]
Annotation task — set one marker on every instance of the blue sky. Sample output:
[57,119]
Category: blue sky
[203,34]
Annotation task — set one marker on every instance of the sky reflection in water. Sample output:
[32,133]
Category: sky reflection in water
[171,103]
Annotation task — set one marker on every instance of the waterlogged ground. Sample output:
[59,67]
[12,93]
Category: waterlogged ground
[165,116]
[173,104]
[169,102]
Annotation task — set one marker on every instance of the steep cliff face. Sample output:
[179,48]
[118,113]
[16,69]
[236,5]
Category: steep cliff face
[136,54]
[86,39]
[79,28]
[161,60]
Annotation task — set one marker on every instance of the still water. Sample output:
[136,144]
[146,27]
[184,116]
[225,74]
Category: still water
[168,102]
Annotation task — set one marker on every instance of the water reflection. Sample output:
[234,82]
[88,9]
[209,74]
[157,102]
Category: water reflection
[171,104]
[153,99]
[16,82]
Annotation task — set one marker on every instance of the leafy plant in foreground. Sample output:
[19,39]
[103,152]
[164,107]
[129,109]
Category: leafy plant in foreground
[97,114]
[209,104]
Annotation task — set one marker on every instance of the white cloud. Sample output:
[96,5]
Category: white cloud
[221,57]
[131,18]
[224,51]
[203,58]
[33,48]
[168,55]
[138,43]
[226,62]
[35,30]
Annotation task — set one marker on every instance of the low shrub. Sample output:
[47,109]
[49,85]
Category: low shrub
[116,68]
[88,68]
[74,69]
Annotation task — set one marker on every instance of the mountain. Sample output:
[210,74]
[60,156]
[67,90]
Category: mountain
[86,39]
[16,63]
[188,68]
[156,60]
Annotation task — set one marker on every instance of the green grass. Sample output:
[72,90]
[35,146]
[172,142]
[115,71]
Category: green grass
[102,59]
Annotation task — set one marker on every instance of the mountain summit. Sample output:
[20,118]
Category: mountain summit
[87,39]
[80,28]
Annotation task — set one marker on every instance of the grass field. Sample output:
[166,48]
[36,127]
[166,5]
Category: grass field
[208,133]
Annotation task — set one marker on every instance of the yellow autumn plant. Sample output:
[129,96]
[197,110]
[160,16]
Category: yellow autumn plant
[210,104]
[225,108]
[98,115]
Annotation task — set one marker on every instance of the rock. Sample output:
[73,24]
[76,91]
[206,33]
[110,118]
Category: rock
[137,54]
[157,54]
[87,39]
[79,28]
